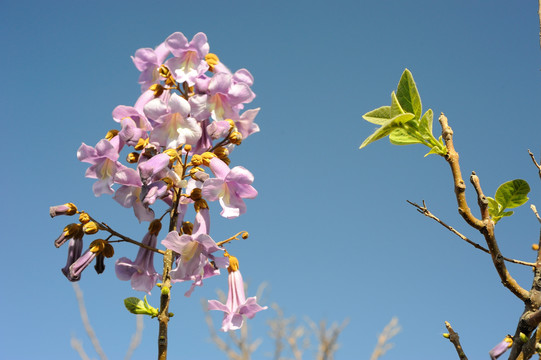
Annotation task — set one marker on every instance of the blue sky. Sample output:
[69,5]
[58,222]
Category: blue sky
[331,232]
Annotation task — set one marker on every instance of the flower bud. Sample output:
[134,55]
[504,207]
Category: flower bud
[221,152]
[195,194]
[233,263]
[188,147]
[173,155]
[101,246]
[111,134]
[200,204]
[157,88]
[197,160]
[165,290]
[446,335]
[132,157]
[69,231]
[141,144]
[164,71]
[524,338]
[207,156]
[155,227]
[66,209]
[91,227]
[245,235]
[212,60]
[84,218]
[187,227]
[231,124]
[535,247]
[235,138]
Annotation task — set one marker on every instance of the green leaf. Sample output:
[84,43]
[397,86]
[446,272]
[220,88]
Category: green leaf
[425,125]
[138,306]
[408,95]
[387,128]
[401,137]
[396,109]
[512,194]
[378,116]
[493,207]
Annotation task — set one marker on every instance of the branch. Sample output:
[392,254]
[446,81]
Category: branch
[455,340]
[529,152]
[485,226]
[383,345]
[136,338]
[84,317]
[77,345]
[424,210]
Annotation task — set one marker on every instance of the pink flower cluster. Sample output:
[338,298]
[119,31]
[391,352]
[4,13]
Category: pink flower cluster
[190,115]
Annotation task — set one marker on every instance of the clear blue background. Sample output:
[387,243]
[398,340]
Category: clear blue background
[331,232]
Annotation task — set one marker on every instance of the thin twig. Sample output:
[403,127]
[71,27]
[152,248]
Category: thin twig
[84,317]
[533,157]
[389,331]
[136,338]
[455,340]
[423,210]
[77,345]
[534,209]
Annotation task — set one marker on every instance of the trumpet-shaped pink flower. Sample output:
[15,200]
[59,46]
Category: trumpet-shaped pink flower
[148,61]
[141,272]
[189,57]
[105,166]
[171,121]
[223,99]
[130,196]
[237,306]
[501,348]
[230,186]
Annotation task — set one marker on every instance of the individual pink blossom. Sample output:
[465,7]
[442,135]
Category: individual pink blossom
[141,271]
[105,166]
[222,99]
[189,57]
[501,348]
[130,197]
[172,123]
[148,61]
[237,306]
[230,186]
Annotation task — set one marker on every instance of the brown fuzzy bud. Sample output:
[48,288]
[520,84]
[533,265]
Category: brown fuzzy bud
[111,134]
[164,71]
[197,160]
[101,246]
[207,156]
[200,204]
[187,227]
[233,264]
[188,147]
[535,247]
[132,157]
[155,227]
[212,60]
[235,138]
[84,218]
[195,194]
[221,152]
[157,88]
[141,144]
[91,227]
[245,235]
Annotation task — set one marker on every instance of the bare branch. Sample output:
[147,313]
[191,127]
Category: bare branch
[136,338]
[455,340]
[77,345]
[389,331]
[485,226]
[84,317]
[529,152]
[424,210]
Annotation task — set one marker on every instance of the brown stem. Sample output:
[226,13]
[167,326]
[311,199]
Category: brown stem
[455,340]
[424,210]
[485,226]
